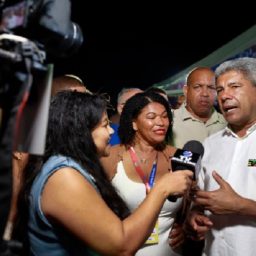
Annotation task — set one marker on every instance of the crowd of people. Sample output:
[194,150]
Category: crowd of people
[87,196]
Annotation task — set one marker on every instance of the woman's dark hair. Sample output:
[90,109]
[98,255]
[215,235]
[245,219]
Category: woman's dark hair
[72,117]
[131,111]
[156,90]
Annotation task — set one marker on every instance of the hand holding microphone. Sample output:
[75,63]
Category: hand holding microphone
[188,158]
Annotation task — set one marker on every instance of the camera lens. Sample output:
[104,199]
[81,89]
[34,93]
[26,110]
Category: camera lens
[73,40]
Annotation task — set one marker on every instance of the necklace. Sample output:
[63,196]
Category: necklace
[145,160]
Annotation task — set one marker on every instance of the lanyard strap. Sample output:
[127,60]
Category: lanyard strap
[148,183]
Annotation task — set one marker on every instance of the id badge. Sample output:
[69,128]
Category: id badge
[154,238]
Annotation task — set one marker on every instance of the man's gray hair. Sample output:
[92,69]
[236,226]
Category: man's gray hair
[125,90]
[245,65]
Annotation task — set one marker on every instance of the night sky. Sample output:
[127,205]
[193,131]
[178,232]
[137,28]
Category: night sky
[126,46]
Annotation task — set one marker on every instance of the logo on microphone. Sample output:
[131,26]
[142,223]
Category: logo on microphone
[186,156]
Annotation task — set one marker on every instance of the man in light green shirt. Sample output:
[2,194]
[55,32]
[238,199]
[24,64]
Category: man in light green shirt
[197,118]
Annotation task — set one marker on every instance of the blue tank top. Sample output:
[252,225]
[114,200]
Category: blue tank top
[47,239]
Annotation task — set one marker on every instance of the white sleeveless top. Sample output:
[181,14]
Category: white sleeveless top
[133,194]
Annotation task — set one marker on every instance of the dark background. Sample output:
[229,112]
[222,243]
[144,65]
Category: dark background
[130,46]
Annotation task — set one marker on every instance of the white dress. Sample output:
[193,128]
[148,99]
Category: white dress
[133,194]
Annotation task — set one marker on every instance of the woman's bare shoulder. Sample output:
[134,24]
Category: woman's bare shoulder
[109,162]
[169,150]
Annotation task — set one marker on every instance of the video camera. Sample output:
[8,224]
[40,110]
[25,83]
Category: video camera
[30,31]
[46,22]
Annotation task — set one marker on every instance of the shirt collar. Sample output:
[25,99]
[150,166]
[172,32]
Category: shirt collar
[214,118]
[185,113]
[228,131]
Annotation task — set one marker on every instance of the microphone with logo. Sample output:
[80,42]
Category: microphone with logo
[188,158]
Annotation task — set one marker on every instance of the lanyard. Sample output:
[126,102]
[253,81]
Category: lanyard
[150,182]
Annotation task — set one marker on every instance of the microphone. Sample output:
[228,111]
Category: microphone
[188,158]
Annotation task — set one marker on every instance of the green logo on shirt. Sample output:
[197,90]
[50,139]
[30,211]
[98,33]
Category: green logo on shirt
[252,162]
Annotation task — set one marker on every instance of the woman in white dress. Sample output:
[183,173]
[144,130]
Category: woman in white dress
[140,160]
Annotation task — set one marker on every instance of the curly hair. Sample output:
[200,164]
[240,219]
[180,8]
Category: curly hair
[131,111]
